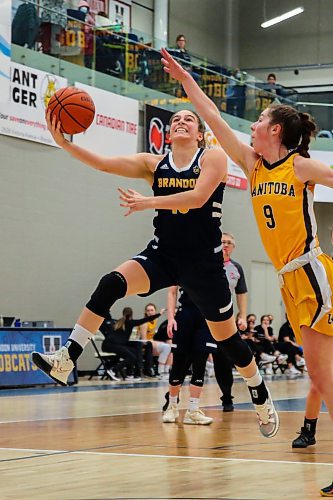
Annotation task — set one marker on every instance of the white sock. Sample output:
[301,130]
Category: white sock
[80,335]
[255,380]
[161,369]
[193,404]
[173,400]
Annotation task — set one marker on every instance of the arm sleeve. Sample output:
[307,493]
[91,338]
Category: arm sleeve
[241,284]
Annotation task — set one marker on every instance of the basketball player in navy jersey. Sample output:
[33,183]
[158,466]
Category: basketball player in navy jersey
[191,345]
[185,250]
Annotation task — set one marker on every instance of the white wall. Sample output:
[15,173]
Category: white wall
[206,27]
[306,39]
[143,17]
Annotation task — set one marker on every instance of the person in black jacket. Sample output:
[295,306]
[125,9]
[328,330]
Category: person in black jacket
[117,340]
[25,26]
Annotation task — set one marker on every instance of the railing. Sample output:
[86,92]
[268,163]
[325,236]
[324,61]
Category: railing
[107,49]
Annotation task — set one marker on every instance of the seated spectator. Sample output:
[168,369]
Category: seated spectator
[266,344]
[288,345]
[263,359]
[117,341]
[161,350]
[265,336]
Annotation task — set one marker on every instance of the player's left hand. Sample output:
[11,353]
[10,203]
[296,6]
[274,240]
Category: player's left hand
[134,201]
[170,65]
[242,324]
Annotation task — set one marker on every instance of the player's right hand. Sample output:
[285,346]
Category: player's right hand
[171,66]
[172,326]
[55,130]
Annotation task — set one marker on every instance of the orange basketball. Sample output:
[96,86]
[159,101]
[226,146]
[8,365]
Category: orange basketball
[74,108]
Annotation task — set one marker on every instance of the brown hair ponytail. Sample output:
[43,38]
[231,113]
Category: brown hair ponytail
[308,130]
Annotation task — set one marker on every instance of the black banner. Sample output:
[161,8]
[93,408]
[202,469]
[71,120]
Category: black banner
[157,130]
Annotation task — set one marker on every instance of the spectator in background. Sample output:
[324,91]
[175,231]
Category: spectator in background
[88,30]
[53,24]
[161,350]
[190,334]
[271,79]
[117,340]
[235,94]
[183,54]
[287,345]
[25,26]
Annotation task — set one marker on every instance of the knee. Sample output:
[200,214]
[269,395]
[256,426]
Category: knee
[237,350]
[111,287]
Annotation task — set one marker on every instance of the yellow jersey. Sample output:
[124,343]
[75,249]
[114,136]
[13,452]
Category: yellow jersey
[151,329]
[283,207]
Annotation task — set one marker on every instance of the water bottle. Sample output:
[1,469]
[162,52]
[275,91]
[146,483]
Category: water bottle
[1,321]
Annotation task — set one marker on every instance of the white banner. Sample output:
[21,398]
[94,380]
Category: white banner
[323,193]
[236,177]
[24,115]
[115,127]
[5,48]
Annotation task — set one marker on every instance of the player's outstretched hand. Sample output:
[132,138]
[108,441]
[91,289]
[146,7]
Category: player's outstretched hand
[134,201]
[54,129]
[171,66]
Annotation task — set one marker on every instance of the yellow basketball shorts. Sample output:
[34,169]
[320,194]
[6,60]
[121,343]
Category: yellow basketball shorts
[307,295]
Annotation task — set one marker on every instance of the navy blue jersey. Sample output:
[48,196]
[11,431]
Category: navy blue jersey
[188,230]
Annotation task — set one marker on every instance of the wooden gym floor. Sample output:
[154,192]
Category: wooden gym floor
[105,440]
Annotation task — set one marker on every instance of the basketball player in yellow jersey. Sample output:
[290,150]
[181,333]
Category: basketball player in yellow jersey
[282,177]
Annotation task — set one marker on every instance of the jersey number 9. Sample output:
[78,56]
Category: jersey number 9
[268,213]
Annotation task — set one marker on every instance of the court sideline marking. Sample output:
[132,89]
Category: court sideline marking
[50,453]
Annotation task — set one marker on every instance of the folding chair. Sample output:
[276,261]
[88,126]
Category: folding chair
[103,357]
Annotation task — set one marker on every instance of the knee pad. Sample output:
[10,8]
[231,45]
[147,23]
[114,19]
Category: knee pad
[199,368]
[111,287]
[198,381]
[178,369]
[237,349]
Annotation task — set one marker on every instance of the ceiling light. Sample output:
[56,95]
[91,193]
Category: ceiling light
[283,17]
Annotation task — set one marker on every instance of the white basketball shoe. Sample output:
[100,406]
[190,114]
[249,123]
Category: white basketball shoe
[58,366]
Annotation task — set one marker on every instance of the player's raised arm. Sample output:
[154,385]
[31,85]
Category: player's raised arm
[214,171]
[242,154]
[313,171]
[139,166]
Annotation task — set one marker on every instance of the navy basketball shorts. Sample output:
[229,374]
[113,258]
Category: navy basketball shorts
[192,334]
[202,276]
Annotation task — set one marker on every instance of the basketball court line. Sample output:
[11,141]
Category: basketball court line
[51,453]
[114,386]
[247,406]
